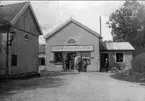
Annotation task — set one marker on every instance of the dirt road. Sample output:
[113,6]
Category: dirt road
[72,87]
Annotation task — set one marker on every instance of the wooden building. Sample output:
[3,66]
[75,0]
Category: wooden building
[117,53]
[19,32]
[70,39]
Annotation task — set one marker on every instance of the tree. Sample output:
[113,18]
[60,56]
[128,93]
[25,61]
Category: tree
[128,22]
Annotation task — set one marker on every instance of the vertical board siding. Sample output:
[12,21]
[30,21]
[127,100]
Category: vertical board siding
[2,54]
[26,50]
[128,55]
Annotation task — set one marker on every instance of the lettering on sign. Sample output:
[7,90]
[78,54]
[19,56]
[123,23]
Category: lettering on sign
[72,48]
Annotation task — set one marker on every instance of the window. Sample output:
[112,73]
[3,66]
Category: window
[119,57]
[71,41]
[26,36]
[41,61]
[58,57]
[87,55]
[14,60]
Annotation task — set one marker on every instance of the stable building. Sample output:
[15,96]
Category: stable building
[68,40]
[19,34]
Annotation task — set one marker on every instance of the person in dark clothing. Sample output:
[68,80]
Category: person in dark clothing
[106,64]
[85,64]
[79,66]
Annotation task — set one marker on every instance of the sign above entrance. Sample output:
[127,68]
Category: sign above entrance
[71,48]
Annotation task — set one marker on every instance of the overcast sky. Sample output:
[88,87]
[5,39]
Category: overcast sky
[53,13]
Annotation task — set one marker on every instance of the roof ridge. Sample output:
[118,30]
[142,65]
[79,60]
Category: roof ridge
[14,3]
[75,21]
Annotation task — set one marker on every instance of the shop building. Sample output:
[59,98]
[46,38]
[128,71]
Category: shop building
[72,39]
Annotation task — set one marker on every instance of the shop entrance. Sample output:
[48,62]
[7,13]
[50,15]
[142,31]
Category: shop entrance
[69,61]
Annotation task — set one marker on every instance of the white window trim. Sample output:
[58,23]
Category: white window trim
[123,57]
[71,43]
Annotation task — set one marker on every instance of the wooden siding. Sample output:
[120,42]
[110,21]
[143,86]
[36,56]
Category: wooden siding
[81,36]
[128,55]
[26,50]
[27,22]
[2,63]
[2,54]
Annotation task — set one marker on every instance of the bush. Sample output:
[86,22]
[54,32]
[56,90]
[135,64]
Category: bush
[115,70]
[120,68]
[138,64]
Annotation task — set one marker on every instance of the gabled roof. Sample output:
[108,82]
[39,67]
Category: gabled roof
[116,46]
[53,31]
[11,13]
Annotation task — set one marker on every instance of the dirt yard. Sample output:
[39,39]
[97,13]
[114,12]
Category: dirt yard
[71,87]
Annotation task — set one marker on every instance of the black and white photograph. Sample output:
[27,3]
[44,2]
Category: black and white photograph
[72,50]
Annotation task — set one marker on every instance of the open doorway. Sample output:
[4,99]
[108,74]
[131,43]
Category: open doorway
[104,65]
[70,60]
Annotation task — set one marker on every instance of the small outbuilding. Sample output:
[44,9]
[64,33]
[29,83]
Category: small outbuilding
[117,54]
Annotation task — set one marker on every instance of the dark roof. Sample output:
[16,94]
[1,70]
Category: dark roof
[116,46]
[71,20]
[41,48]
[10,11]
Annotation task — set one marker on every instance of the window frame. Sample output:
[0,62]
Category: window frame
[60,63]
[25,37]
[123,57]
[87,56]
[71,41]
[14,64]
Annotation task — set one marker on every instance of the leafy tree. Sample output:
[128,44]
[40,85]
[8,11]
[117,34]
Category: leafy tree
[128,23]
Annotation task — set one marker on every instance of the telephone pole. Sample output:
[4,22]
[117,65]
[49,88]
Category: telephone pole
[100,26]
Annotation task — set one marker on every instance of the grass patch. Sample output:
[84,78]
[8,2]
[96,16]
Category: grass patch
[130,78]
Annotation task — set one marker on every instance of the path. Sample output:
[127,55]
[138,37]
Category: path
[75,87]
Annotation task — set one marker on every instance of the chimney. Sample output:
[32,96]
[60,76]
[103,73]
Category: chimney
[101,38]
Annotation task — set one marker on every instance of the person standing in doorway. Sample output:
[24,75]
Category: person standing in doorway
[106,65]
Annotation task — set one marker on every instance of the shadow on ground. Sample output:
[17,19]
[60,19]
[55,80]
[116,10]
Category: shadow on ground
[46,80]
